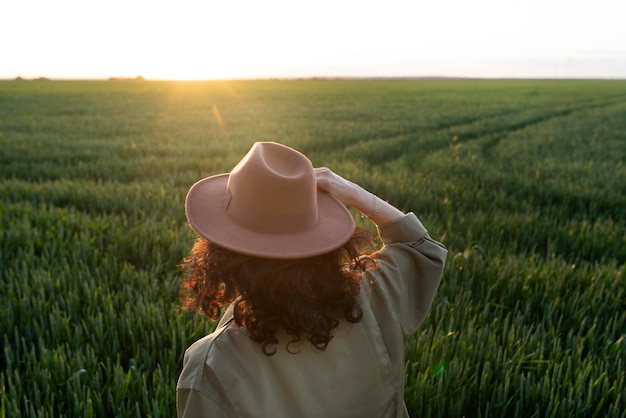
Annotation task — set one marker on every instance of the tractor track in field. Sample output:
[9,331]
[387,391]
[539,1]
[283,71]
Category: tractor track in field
[389,148]
[496,137]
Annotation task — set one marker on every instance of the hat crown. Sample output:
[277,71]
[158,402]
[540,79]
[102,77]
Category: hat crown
[273,188]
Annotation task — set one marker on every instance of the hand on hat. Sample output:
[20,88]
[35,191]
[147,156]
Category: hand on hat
[336,186]
[349,193]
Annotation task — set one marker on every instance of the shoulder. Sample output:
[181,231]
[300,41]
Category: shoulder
[195,361]
[197,356]
[199,388]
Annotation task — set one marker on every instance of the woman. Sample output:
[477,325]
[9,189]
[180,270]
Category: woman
[312,327]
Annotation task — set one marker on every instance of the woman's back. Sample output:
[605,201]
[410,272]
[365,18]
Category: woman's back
[352,377]
[359,374]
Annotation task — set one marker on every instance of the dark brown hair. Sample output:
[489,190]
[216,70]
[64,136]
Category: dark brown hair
[303,296]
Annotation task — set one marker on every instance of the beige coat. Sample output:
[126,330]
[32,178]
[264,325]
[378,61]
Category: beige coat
[361,372]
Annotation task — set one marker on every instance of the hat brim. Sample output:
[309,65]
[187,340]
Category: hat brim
[204,207]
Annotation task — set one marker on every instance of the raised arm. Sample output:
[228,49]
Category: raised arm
[377,210]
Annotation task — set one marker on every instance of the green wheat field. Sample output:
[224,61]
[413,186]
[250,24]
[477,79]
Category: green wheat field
[523,181]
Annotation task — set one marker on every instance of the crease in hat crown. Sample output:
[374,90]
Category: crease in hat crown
[273,188]
[269,206]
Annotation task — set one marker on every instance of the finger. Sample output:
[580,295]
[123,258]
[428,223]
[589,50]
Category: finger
[322,171]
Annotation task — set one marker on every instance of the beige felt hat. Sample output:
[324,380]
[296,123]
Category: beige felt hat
[269,206]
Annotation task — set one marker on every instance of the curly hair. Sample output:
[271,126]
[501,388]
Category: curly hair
[303,296]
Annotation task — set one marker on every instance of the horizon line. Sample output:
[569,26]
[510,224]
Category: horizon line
[140,78]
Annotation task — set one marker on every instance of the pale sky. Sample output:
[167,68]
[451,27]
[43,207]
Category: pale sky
[208,39]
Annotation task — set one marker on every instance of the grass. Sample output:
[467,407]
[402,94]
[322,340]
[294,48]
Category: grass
[524,181]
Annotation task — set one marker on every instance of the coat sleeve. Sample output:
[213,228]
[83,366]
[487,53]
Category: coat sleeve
[409,270]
